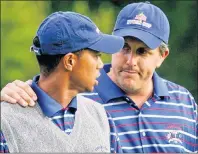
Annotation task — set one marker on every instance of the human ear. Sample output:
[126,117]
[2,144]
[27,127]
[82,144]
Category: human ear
[162,57]
[69,61]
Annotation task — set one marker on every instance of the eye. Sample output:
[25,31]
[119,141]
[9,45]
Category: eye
[126,48]
[97,54]
[141,51]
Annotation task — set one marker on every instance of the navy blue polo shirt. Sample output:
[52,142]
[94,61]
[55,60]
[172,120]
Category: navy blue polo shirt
[64,118]
[167,122]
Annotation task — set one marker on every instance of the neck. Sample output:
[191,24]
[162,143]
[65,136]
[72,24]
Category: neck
[139,96]
[57,87]
[142,95]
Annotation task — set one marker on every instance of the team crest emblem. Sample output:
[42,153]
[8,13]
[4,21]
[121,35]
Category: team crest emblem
[174,136]
[140,19]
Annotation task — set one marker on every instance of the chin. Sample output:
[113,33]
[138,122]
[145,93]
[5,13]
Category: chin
[90,89]
[128,85]
[127,81]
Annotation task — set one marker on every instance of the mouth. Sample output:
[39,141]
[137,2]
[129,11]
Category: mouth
[130,71]
[96,82]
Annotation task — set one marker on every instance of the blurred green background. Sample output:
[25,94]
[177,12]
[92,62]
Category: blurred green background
[20,20]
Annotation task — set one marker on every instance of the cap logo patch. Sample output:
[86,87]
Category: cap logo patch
[140,19]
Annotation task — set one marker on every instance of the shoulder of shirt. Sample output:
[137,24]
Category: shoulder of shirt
[175,87]
[93,96]
[176,90]
[6,107]
[87,101]
[8,110]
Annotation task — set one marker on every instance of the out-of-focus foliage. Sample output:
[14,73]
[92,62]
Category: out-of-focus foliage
[20,20]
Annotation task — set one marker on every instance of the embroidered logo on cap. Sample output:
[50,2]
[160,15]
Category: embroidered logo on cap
[140,19]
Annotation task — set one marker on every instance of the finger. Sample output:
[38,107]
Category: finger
[10,93]
[13,93]
[6,98]
[29,82]
[17,93]
[13,101]
[22,102]
[24,97]
[26,87]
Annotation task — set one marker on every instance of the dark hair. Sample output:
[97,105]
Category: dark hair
[47,63]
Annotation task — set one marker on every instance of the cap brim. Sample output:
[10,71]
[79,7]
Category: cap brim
[150,40]
[108,44]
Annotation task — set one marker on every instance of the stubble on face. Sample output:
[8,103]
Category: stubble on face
[130,84]
[134,75]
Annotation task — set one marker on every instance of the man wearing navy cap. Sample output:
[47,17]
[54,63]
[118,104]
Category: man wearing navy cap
[151,114]
[67,47]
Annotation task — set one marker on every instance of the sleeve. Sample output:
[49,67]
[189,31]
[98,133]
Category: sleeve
[114,138]
[195,116]
[3,146]
[196,127]
[196,149]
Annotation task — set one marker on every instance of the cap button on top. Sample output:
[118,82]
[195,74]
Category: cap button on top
[147,2]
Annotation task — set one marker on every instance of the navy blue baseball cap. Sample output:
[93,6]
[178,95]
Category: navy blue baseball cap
[65,32]
[144,21]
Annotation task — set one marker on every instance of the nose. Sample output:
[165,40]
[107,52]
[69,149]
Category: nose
[131,59]
[100,63]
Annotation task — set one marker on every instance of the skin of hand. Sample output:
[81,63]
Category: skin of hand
[19,92]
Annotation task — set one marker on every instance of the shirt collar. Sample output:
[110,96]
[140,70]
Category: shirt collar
[108,90]
[48,105]
[160,88]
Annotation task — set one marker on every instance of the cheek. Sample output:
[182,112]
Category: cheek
[118,60]
[91,71]
[81,72]
[147,67]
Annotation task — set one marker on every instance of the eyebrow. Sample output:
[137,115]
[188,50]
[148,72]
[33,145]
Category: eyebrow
[146,47]
[136,39]
[126,44]
[143,46]
[95,52]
